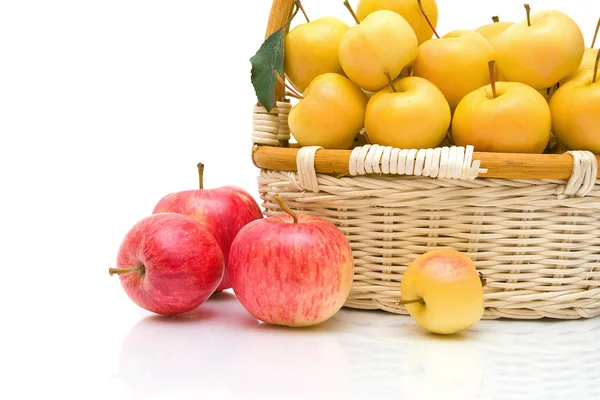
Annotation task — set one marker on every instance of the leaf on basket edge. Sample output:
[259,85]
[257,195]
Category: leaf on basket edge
[267,60]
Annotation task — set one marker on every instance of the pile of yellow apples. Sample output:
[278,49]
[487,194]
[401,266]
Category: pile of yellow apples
[391,80]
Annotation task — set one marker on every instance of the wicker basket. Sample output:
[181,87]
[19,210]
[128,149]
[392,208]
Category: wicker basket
[530,222]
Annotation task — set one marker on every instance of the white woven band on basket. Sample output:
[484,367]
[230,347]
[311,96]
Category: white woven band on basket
[583,176]
[271,128]
[284,109]
[265,126]
[305,163]
[442,163]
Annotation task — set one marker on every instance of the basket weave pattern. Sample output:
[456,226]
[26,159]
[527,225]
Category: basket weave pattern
[536,241]
[531,223]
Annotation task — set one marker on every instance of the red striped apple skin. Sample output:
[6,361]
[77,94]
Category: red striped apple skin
[182,263]
[223,211]
[291,274]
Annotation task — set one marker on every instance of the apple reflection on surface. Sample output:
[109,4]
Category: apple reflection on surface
[392,357]
[291,363]
[184,357]
[495,360]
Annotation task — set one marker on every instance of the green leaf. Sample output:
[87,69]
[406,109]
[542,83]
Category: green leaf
[267,60]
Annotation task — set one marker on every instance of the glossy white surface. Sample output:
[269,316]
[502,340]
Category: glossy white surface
[219,352]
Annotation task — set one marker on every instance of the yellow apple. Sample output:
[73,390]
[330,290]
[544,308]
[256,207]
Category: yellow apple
[409,9]
[457,63]
[383,41]
[311,49]
[540,50]
[493,30]
[589,58]
[410,114]
[516,120]
[575,111]
[443,291]
[331,113]
[491,33]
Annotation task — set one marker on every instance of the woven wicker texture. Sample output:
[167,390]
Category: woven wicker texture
[539,253]
[537,242]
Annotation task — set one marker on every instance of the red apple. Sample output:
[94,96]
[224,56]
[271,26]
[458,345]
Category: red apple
[169,264]
[291,270]
[224,211]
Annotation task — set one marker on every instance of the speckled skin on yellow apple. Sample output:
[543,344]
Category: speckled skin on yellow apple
[384,41]
[311,50]
[457,63]
[409,9]
[542,54]
[450,287]
[576,112]
[518,120]
[417,116]
[331,113]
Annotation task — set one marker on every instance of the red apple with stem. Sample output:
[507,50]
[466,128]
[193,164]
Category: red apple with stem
[292,269]
[223,211]
[169,264]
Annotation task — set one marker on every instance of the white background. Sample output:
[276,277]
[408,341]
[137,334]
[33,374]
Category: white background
[106,106]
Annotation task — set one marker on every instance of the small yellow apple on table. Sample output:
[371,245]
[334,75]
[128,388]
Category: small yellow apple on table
[456,63]
[589,57]
[311,49]
[503,117]
[330,113]
[541,50]
[575,111]
[411,113]
[411,10]
[443,291]
[383,41]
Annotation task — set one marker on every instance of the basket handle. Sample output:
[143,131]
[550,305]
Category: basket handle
[281,11]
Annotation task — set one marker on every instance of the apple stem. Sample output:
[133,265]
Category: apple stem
[294,95]
[289,81]
[406,302]
[427,19]
[288,87]
[491,65]
[349,7]
[596,33]
[390,80]
[285,208]
[596,65]
[528,11]
[201,175]
[495,19]
[483,280]
[120,271]
[301,7]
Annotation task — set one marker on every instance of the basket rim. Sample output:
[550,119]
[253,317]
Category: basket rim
[498,165]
